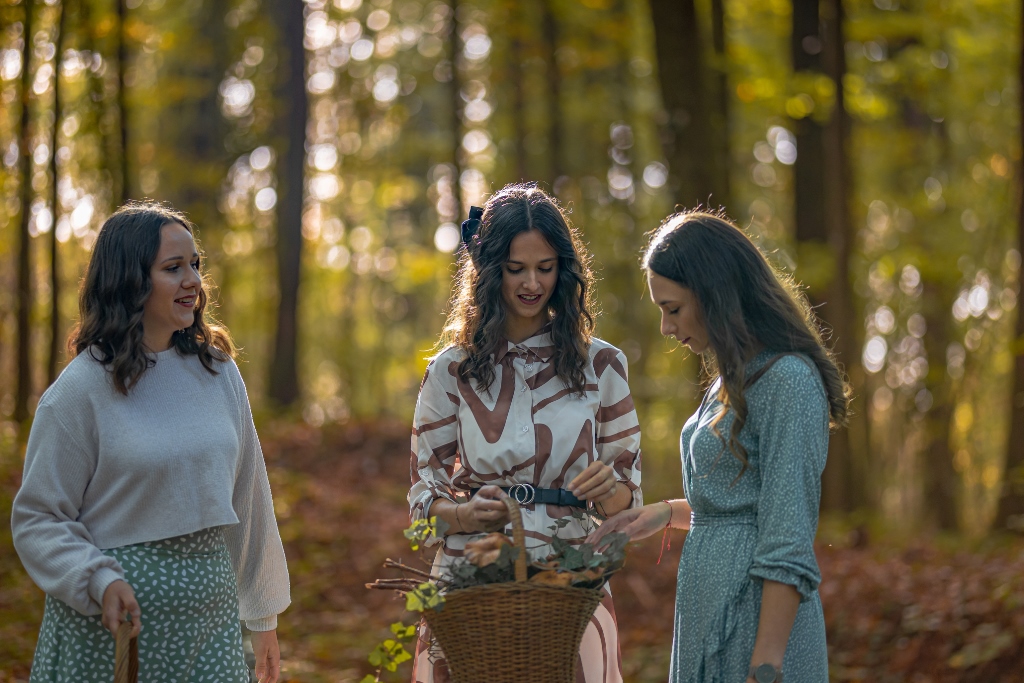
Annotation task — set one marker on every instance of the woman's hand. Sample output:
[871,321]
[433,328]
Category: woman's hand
[596,483]
[484,511]
[637,523]
[268,656]
[119,599]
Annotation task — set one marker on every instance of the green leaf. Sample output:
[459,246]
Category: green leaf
[368,678]
[439,527]
[403,632]
[418,533]
[426,596]
[572,559]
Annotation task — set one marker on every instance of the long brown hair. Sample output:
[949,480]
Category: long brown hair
[476,314]
[115,288]
[743,302]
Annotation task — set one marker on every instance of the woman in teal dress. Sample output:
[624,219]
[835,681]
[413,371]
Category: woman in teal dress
[747,605]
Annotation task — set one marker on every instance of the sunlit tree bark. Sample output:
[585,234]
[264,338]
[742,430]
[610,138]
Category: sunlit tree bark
[455,94]
[284,381]
[124,191]
[24,268]
[55,263]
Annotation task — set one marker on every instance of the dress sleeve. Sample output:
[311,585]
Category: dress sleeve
[618,429]
[255,542]
[57,550]
[793,444]
[435,443]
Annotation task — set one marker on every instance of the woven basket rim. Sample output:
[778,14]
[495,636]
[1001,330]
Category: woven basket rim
[504,586]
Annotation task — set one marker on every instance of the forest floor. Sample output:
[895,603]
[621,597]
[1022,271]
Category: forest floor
[920,611]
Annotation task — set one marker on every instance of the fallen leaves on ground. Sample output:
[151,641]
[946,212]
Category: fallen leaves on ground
[919,614]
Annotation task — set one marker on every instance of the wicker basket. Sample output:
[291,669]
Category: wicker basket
[126,655]
[513,632]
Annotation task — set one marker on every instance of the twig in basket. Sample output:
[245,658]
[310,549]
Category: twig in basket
[397,582]
[391,564]
[400,585]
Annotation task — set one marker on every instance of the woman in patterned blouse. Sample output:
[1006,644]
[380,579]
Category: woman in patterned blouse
[523,394]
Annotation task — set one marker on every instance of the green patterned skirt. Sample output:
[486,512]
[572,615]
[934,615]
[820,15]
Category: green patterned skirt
[190,628]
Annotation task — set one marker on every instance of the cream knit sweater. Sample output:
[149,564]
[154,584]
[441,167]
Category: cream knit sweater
[176,455]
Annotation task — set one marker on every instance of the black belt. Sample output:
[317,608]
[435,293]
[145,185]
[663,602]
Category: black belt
[526,494]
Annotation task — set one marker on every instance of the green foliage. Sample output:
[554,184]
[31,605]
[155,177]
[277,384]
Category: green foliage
[584,556]
[388,655]
[422,530]
[425,596]
[465,574]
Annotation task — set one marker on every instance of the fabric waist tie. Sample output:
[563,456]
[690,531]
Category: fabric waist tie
[709,519]
[526,494]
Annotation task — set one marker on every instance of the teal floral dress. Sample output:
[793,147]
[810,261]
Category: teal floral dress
[759,526]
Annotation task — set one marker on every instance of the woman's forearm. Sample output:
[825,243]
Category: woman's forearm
[445,509]
[779,604]
[680,518]
[620,500]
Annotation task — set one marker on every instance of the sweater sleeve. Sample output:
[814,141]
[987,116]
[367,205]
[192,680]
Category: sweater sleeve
[255,542]
[56,548]
[793,443]
[618,429]
[435,444]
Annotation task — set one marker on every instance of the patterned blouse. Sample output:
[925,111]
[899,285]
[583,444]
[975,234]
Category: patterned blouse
[528,428]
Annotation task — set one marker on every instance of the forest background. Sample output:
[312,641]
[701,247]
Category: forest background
[328,149]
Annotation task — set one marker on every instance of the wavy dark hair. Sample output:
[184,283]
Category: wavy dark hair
[115,288]
[476,314]
[743,302]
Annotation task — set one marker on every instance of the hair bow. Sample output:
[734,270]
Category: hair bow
[471,226]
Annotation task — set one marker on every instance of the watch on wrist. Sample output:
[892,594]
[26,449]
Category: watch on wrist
[765,673]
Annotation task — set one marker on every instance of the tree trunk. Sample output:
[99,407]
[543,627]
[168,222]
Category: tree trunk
[809,183]
[1010,513]
[455,96]
[720,120]
[516,58]
[821,224]
[554,100]
[843,481]
[24,295]
[940,479]
[124,191]
[192,127]
[689,139]
[284,381]
[55,281]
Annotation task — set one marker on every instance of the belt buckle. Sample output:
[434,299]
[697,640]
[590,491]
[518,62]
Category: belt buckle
[527,490]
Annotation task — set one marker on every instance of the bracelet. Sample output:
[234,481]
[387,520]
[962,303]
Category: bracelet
[462,529]
[671,512]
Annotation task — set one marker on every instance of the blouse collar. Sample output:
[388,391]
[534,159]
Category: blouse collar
[539,347]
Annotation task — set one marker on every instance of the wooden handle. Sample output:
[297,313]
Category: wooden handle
[518,535]
[126,655]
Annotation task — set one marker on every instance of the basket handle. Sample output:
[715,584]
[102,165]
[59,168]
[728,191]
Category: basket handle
[126,655]
[518,535]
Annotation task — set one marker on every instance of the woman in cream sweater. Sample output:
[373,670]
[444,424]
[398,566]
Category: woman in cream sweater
[145,494]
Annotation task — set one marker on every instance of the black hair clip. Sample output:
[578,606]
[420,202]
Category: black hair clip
[471,226]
